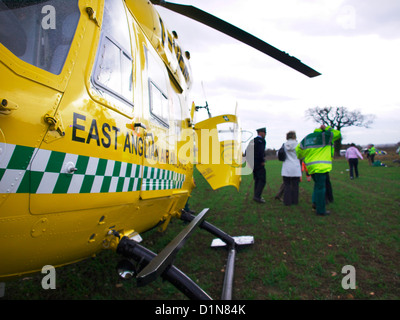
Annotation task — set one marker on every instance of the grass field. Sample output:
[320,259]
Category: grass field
[296,254]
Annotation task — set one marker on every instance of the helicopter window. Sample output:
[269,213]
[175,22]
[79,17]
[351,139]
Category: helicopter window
[159,107]
[113,71]
[115,23]
[158,104]
[39,32]
[227,131]
[177,114]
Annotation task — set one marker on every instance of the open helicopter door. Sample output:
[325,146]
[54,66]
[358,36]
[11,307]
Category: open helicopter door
[219,151]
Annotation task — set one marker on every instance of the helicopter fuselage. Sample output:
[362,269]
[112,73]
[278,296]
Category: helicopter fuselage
[94,110]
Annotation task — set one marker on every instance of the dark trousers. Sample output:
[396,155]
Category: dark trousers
[329,190]
[371,159]
[260,179]
[353,163]
[319,194]
[291,190]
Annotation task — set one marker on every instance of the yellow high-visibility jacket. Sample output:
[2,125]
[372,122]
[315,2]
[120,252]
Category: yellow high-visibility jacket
[316,150]
[372,150]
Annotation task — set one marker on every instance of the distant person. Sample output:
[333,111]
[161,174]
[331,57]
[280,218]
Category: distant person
[352,155]
[259,173]
[371,153]
[291,171]
[316,152]
[398,152]
[366,154]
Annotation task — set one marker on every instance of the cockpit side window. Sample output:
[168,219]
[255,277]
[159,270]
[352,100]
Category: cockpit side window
[39,32]
[114,64]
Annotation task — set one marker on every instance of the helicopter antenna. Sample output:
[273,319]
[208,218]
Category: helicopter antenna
[206,106]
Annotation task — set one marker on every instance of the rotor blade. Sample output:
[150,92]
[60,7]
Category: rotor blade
[243,36]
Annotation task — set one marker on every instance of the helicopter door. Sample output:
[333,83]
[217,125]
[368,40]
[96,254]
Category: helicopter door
[94,163]
[158,175]
[36,43]
[219,151]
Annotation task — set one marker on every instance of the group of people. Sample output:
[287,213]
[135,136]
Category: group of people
[315,150]
[353,154]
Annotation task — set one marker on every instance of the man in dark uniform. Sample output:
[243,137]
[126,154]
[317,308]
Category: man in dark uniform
[259,174]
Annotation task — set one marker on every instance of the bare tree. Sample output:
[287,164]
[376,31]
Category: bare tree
[339,118]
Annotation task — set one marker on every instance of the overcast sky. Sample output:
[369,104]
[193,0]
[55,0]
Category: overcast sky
[355,44]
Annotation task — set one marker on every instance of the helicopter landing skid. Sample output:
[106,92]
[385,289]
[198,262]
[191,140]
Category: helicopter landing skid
[161,264]
[223,239]
[132,250]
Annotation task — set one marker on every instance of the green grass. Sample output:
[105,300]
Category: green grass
[296,254]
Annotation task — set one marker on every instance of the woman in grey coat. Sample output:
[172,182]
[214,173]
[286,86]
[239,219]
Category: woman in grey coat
[291,171]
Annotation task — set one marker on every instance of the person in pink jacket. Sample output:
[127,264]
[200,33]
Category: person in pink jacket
[352,155]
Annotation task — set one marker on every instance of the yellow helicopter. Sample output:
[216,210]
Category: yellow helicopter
[97,138]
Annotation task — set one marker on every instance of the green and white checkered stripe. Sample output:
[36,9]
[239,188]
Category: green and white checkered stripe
[159,179]
[14,161]
[48,173]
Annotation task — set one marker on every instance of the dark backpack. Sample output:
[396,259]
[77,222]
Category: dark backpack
[282,153]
